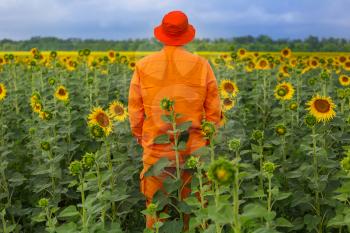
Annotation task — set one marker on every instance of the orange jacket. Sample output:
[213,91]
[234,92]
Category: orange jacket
[183,77]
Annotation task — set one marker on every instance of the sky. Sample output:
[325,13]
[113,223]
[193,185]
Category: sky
[124,19]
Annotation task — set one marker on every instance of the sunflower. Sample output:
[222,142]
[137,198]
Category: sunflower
[227,104]
[262,64]
[284,91]
[132,65]
[287,52]
[344,80]
[3,91]
[321,107]
[228,88]
[284,69]
[342,59]
[118,111]
[313,63]
[101,118]
[241,53]
[346,65]
[61,93]
[37,107]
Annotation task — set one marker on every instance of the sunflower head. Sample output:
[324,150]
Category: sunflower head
[263,64]
[310,120]
[321,107]
[45,115]
[100,118]
[228,104]
[221,171]
[280,129]
[3,91]
[344,80]
[241,53]
[286,52]
[37,107]
[118,111]
[228,88]
[345,163]
[284,91]
[61,93]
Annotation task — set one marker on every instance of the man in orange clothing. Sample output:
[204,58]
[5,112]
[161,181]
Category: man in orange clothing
[181,76]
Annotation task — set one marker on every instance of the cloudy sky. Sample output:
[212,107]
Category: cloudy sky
[123,19]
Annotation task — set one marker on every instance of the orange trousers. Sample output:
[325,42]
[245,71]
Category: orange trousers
[149,185]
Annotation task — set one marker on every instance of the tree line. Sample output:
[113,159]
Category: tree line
[259,43]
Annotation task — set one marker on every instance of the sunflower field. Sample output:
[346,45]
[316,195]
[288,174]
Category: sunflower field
[279,162]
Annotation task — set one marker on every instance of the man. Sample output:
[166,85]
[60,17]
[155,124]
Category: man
[183,77]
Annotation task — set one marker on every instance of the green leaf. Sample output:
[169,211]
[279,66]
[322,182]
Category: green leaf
[184,126]
[282,222]
[174,226]
[68,212]
[158,167]
[166,118]
[336,221]
[282,196]
[70,227]
[162,139]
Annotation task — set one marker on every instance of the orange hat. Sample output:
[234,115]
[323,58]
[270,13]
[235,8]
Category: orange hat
[175,29]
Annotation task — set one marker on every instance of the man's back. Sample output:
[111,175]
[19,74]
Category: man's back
[180,76]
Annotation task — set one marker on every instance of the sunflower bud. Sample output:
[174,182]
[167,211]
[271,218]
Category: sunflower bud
[152,209]
[75,167]
[269,167]
[192,162]
[221,171]
[234,144]
[96,131]
[52,81]
[43,202]
[280,130]
[293,106]
[166,104]
[208,129]
[45,145]
[345,164]
[341,93]
[45,115]
[310,120]
[86,52]
[257,135]
[53,54]
[88,160]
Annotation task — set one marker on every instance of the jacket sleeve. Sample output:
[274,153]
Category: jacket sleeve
[212,104]
[135,106]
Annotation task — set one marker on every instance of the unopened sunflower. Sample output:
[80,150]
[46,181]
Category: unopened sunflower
[322,108]
[101,118]
[284,91]
[228,88]
[118,111]
[61,93]
[3,91]
[344,80]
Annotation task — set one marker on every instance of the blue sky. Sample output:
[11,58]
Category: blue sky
[123,19]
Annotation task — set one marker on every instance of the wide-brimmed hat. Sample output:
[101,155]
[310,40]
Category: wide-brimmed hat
[175,29]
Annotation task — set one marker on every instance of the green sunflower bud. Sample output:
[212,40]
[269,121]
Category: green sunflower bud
[166,104]
[208,129]
[345,164]
[257,135]
[293,106]
[280,130]
[310,120]
[75,167]
[269,167]
[234,144]
[221,171]
[43,202]
[96,131]
[192,162]
[88,160]
[45,146]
